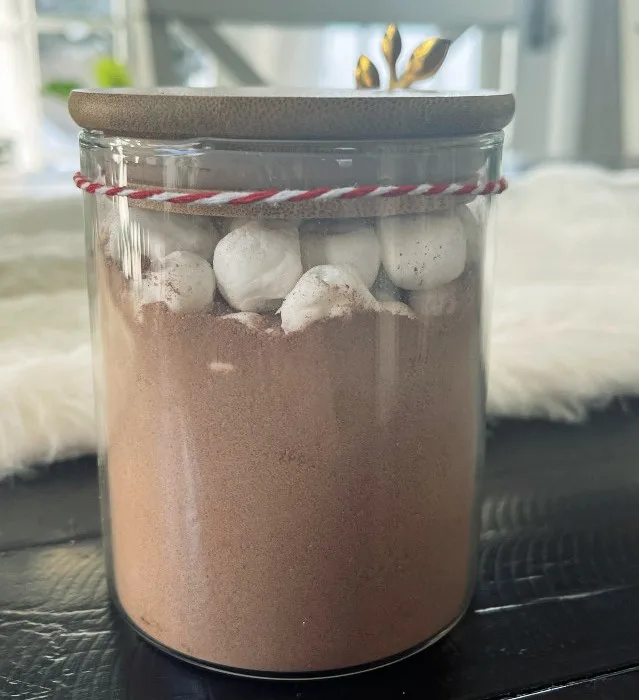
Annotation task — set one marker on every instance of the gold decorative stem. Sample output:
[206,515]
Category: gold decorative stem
[424,62]
[392,48]
[366,75]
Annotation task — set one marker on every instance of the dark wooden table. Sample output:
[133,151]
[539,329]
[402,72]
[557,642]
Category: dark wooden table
[555,614]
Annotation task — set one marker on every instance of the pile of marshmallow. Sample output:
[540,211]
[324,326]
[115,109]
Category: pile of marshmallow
[304,271]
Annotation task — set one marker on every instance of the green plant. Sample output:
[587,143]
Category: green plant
[60,88]
[107,72]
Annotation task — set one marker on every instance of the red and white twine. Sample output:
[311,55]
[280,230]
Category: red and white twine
[213,198]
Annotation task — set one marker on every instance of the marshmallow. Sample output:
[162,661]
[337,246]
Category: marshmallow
[422,251]
[473,228]
[383,289]
[397,308]
[441,301]
[256,267]
[182,280]
[254,321]
[156,234]
[231,224]
[341,243]
[249,319]
[325,291]
[222,367]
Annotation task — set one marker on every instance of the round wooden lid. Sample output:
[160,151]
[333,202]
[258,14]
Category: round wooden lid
[274,113]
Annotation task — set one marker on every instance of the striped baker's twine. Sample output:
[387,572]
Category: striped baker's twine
[320,194]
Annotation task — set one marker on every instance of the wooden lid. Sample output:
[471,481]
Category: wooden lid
[274,113]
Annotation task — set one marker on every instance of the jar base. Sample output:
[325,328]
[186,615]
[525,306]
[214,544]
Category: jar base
[294,676]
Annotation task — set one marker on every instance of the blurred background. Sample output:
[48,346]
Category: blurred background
[571,63]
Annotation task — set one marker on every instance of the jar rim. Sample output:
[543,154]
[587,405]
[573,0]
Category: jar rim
[94,138]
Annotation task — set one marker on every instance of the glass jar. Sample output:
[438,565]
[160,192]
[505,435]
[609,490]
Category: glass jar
[290,388]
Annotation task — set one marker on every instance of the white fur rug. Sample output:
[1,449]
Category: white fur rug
[46,393]
[565,319]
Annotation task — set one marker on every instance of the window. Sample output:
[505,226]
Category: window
[47,43]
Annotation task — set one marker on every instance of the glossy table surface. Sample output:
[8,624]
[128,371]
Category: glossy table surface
[555,614]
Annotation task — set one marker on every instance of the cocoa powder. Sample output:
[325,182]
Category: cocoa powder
[290,503]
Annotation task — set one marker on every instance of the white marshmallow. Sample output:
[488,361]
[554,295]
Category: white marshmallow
[422,251]
[254,321]
[256,267]
[231,224]
[157,234]
[182,280]
[397,308]
[473,229]
[341,243]
[383,289]
[222,367]
[325,291]
[249,319]
[441,301]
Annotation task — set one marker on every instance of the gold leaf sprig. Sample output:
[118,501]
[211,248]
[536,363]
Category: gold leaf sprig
[366,75]
[392,48]
[424,62]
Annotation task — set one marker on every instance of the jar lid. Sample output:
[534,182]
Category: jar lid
[275,113]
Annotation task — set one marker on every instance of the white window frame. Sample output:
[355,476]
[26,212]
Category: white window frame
[20,85]
[201,17]
[20,27]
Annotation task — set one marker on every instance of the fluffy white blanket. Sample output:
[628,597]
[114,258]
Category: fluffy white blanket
[565,319]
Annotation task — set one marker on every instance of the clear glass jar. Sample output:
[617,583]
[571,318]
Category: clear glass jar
[290,397]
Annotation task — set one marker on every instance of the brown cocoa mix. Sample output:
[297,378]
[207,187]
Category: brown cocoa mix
[290,503]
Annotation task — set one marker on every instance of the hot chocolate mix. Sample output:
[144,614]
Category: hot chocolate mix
[297,502]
